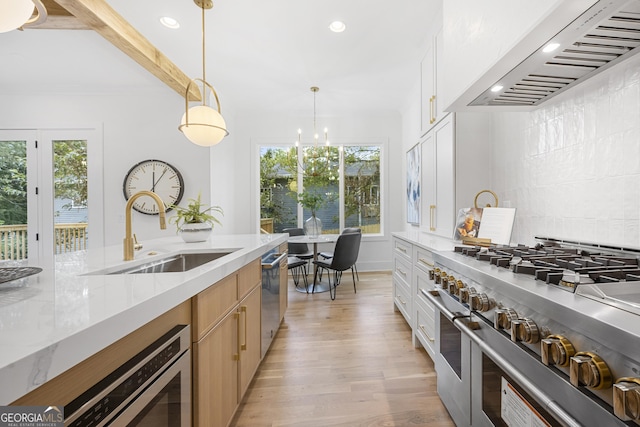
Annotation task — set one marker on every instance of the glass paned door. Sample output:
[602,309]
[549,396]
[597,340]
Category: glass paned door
[70,195]
[14,236]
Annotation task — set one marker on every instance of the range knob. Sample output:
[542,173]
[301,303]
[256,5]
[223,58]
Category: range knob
[626,399]
[481,302]
[444,280]
[556,350]
[465,294]
[503,317]
[590,370]
[525,330]
[455,285]
[436,275]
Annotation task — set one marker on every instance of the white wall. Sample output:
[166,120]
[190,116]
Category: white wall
[136,127]
[572,167]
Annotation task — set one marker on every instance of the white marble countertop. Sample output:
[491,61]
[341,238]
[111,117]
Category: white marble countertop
[427,241]
[54,320]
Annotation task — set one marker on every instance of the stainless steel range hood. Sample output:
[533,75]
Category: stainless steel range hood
[606,34]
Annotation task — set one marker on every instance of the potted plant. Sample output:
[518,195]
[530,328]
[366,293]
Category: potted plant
[195,222]
[312,201]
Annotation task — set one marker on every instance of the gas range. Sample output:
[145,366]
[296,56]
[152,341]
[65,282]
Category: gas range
[569,311]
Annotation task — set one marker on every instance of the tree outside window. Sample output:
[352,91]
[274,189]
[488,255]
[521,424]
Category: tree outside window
[320,169]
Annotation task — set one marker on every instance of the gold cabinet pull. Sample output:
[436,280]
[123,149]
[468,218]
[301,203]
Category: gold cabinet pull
[425,262]
[404,273]
[236,315]
[432,211]
[426,333]
[243,309]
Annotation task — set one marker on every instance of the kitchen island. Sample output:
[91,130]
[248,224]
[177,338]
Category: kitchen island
[54,320]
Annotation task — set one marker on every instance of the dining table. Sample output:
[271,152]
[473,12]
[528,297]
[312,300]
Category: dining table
[316,286]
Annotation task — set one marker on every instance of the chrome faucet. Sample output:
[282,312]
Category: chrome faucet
[128,238]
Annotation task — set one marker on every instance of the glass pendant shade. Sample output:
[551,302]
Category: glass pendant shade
[15,13]
[206,127]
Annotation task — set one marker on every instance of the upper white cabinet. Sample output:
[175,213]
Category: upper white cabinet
[431,106]
[455,167]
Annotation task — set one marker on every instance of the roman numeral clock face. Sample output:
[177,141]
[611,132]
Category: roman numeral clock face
[157,176]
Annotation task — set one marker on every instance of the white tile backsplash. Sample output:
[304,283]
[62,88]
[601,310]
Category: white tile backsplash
[572,167]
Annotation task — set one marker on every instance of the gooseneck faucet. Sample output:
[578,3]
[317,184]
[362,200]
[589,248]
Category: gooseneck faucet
[128,238]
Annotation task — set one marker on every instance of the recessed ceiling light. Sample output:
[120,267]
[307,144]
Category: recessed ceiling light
[496,88]
[337,26]
[551,47]
[169,22]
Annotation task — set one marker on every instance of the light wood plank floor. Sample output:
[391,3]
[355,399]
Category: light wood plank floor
[348,362]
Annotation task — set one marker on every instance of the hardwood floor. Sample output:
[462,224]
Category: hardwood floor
[348,362]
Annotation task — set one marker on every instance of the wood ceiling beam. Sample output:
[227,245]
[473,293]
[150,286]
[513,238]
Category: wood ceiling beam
[102,18]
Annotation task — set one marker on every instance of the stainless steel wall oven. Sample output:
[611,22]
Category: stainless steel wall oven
[153,389]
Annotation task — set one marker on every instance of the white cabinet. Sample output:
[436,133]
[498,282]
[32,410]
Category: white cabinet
[431,83]
[402,278]
[411,274]
[438,166]
[455,167]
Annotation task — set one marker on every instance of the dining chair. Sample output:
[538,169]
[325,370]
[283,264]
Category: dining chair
[298,252]
[345,255]
[298,267]
[328,255]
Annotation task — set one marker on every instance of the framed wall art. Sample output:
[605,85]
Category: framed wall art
[413,185]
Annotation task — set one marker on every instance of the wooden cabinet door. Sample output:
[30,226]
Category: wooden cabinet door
[250,338]
[215,374]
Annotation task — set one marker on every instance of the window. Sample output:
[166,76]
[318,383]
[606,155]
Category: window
[347,178]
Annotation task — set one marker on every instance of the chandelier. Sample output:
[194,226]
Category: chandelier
[202,124]
[317,158]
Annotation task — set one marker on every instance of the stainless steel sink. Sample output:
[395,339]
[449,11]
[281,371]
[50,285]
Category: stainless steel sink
[172,264]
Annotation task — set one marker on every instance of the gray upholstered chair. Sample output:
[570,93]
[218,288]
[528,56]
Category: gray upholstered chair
[299,256]
[328,255]
[345,255]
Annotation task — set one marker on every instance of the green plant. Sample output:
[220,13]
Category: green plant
[312,200]
[195,212]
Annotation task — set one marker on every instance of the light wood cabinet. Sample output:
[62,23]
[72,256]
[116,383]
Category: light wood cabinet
[250,335]
[215,369]
[226,320]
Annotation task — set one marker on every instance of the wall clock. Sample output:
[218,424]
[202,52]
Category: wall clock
[157,176]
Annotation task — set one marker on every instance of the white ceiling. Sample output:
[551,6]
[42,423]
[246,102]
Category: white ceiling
[261,54]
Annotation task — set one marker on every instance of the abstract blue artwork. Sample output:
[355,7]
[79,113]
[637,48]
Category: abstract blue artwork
[413,185]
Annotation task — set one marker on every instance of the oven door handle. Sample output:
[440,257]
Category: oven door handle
[434,297]
[551,405]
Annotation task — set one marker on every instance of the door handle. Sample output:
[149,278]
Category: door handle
[243,309]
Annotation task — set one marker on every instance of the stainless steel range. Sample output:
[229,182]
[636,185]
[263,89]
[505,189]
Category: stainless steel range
[545,335]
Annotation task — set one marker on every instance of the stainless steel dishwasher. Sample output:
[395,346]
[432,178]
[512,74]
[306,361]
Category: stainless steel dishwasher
[270,297]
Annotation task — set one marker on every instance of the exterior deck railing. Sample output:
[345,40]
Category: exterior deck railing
[67,238]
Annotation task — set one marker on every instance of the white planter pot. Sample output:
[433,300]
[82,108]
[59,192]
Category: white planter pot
[196,232]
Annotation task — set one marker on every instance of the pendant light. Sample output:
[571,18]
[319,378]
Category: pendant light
[18,13]
[202,124]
